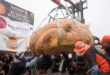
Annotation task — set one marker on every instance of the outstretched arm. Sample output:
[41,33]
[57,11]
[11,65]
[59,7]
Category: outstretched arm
[32,62]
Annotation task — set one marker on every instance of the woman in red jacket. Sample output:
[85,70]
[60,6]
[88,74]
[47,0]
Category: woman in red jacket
[104,62]
[98,60]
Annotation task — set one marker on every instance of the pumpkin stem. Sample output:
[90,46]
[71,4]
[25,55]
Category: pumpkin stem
[68,28]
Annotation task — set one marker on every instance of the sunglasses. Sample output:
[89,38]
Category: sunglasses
[81,46]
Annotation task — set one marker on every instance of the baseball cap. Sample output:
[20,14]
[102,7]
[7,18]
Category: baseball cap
[105,38]
[19,54]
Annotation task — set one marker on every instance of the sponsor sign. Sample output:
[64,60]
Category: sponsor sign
[16,25]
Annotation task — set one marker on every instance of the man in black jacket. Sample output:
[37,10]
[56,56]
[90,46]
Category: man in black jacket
[19,64]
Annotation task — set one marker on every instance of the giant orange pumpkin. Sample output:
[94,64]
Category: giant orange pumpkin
[47,40]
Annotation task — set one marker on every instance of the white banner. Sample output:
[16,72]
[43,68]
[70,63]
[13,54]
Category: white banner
[14,36]
[15,27]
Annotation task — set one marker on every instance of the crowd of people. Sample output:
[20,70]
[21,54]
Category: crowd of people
[86,59]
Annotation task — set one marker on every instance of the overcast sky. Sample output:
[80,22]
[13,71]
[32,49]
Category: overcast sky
[97,15]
